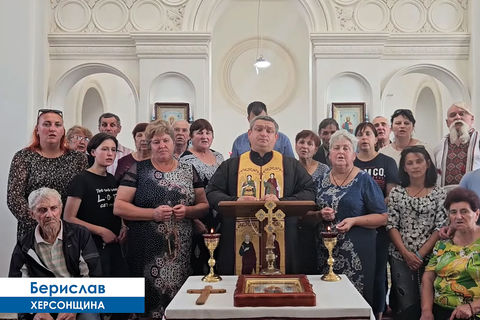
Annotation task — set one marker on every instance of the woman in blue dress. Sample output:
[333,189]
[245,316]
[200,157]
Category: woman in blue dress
[350,200]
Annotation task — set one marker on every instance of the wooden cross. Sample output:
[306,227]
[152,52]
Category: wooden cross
[204,293]
[270,215]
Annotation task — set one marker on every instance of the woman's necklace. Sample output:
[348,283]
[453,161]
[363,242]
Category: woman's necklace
[417,193]
[335,180]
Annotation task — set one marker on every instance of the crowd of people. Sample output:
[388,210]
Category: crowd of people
[142,213]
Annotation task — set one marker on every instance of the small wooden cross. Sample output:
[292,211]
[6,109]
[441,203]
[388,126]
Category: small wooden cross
[204,293]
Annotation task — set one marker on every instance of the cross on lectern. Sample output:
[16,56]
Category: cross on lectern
[270,229]
[270,215]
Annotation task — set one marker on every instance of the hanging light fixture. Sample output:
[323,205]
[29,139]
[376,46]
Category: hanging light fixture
[260,62]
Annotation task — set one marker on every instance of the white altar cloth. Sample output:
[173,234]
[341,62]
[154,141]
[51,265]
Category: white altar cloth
[334,300]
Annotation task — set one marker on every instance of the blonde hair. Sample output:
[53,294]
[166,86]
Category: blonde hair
[158,127]
[78,129]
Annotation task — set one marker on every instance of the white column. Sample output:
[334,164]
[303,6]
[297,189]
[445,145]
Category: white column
[23,68]
[474,60]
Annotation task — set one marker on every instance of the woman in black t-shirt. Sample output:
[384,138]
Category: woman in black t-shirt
[90,203]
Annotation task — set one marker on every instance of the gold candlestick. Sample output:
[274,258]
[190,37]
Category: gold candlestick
[330,241]
[211,241]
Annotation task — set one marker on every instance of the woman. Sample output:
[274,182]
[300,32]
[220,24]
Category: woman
[383,170]
[416,213]
[351,197]
[78,137]
[45,163]
[306,146]
[159,197]
[90,203]
[451,282]
[142,151]
[403,123]
[205,161]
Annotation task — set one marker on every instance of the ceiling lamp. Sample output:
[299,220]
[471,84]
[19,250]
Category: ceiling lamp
[260,62]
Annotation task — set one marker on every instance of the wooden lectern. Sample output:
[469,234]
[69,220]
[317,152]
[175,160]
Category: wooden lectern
[251,219]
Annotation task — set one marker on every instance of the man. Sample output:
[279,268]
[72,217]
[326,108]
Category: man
[181,129]
[110,123]
[458,152]
[55,248]
[294,183]
[326,128]
[383,132]
[241,143]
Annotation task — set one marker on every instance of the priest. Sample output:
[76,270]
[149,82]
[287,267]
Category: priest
[245,178]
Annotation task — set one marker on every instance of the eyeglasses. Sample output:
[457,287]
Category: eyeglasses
[42,111]
[80,138]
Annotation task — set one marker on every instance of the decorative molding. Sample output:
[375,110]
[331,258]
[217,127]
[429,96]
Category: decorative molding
[391,46]
[403,16]
[121,46]
[108,16]
[285,65]
[103,18]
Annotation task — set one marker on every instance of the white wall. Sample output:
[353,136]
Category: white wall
[23,69]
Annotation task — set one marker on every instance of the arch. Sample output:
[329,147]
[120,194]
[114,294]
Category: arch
[92,84]
[202,15]
[360,79]
[183,84]
[452,83]
[75,74]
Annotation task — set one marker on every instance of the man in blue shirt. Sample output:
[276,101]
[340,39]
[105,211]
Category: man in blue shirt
[241,143]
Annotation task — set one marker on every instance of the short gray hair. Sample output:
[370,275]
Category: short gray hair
[343,134]
[265,118]
[40,194]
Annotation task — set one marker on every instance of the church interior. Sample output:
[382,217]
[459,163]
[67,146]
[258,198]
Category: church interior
[87,57]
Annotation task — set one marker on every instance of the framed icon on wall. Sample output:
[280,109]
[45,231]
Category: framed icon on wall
[172,111]
[348,114]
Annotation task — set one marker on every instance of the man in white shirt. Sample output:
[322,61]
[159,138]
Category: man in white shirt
[110,123]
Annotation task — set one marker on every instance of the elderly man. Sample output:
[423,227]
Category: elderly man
[292,183]
[326,128]
[382,126]
[242,143]
[458,152]
[181,129]
[55,248]
[110,123]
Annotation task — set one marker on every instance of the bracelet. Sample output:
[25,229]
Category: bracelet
[418,255]
[471,309]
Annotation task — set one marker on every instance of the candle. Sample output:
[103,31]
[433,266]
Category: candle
[211,235]
[329,233]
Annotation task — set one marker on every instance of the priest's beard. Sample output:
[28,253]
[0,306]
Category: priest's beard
[459,135]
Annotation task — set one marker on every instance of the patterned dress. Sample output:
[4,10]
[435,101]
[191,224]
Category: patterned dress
[354,253]
[456,267]
[200,254]
[29,171]
[160,251]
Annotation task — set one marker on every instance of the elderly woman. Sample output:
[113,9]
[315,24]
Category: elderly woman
[91,194]
[78,137]
[159,197]
[416,213]
[351,198]
[451,282]
[205,161]
[306,146]
[403,123]
[142,151]
[46,162]
[383,170]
